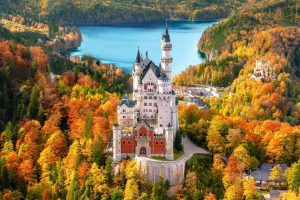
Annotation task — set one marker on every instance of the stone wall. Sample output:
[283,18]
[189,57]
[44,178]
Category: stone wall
[173,171]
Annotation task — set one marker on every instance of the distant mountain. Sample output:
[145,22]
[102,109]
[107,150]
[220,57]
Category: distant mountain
[119,11]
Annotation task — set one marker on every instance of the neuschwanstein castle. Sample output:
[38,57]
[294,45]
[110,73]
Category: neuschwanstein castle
[148,122]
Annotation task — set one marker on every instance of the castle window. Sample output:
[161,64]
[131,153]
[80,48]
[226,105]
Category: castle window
[156,142]
[124,117]
[155,104]
[124,110]
[155,97]
[150,104]
[145,104]
[162,143]
[150,110]
[129,142]
[123,142]
[161,125]
[145,97]
[141,134]
[150,97]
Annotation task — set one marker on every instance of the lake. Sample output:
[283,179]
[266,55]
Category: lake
[119,44]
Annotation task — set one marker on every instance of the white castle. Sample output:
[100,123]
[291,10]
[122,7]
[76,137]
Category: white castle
[263,70]
[147,124]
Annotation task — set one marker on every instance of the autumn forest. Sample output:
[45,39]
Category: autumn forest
[56,116]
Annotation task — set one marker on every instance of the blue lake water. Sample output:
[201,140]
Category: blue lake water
[119,44]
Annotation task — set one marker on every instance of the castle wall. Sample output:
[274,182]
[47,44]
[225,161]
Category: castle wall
[128,145]
[173,171]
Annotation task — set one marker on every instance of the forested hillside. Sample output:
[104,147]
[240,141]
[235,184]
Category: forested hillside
[256,120]
[31,32]
[119,11]
[56,117]
[234,43]
[234,46]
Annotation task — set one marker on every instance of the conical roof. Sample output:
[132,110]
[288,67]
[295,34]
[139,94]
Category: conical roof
[166,36]
[138,57]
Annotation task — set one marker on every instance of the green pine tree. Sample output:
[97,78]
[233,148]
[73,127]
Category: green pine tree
[98,154]
[178,142]
[117,194]
[159,190]
[32,109]
[40,115]
[88,125]
[74,188]
[108,172]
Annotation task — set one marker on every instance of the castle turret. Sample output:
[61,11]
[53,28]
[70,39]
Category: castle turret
[169,142]
[137,70]
[166,59]
[117,154]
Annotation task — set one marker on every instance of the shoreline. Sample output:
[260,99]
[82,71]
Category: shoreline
[130,23]
[153,24]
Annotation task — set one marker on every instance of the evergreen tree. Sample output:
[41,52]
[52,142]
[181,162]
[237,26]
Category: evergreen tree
[108,172]
[8,132]
[32,109]
[88,125]
[159,190]
[117,194]
[98,148]
[58,179]
[22,186]
[74,188]
[20,109]
[4,96]
[5,179]
[40,115]
[52,27]
[178,142]
[86,192]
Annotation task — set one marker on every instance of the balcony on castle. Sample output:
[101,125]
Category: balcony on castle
[167,47]
[166,60]
[159,136]
[126,133]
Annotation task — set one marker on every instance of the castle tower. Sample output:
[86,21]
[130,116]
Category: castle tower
[137,70]
[169,142]
[166,58]
[117,155]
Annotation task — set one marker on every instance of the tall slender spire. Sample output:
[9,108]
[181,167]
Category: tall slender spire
[166,36]
[138,56]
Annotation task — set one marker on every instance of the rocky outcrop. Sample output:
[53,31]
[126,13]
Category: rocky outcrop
[69,38]
[205,47]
